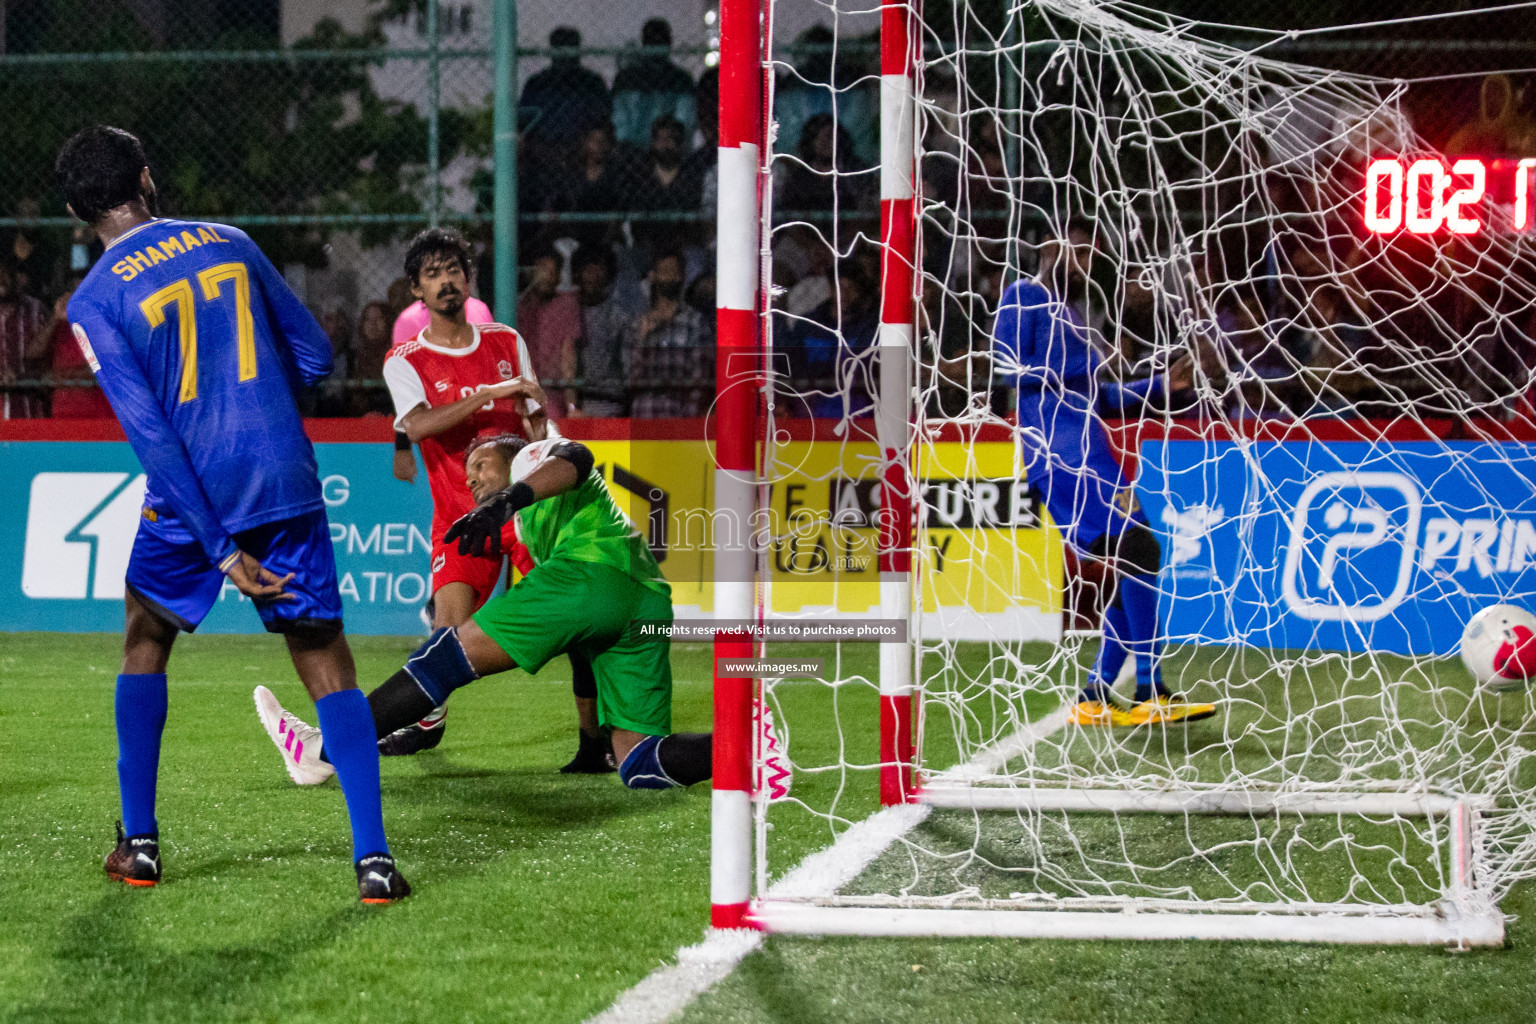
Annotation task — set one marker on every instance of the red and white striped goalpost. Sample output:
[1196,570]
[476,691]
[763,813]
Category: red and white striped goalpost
[739,376]
[742,306]
[893,410]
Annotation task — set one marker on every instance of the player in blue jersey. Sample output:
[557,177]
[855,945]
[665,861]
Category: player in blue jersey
[199,344]
[1041,345]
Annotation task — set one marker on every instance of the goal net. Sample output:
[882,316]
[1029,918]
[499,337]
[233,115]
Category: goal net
[1334,451]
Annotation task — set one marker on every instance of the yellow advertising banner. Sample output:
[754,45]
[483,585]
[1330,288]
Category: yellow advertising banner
[988,560]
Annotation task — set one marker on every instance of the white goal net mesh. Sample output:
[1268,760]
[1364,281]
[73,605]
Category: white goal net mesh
[1335,455]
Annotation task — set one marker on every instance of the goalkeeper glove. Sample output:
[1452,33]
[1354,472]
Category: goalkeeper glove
[479,530]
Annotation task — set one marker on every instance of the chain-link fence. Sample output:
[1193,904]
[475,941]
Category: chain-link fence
[333,132]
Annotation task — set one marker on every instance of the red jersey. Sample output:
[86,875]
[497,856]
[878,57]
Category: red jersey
[420,372]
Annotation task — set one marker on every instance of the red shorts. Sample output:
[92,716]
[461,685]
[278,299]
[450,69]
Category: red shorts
[448,566]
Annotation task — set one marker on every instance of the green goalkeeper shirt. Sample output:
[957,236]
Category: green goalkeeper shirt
[583,525]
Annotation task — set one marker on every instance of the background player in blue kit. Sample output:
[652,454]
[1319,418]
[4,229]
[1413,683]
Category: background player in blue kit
[1041,345]
[199,344]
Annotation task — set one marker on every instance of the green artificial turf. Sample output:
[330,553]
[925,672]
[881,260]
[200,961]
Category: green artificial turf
[540,897]
[1327,707]
[963,981]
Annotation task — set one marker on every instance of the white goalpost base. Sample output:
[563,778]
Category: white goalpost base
[1431,926]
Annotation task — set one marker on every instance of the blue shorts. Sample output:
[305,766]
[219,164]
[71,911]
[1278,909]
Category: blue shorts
[1071,463]
[172,576]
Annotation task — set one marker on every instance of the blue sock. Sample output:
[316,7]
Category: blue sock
[140,703]
[351,745]
[1112,654]
[1139,596]
[642,766]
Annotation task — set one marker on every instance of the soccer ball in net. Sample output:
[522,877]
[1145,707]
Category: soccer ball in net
[1499,647]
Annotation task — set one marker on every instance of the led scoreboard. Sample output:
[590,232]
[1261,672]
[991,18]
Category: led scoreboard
[1461,195]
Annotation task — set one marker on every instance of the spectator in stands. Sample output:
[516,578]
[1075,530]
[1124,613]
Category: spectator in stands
[604,320]
[24,341]
[817,84]
[826,171]
[1256,357]
[373,341]
[700,165]
[372,348]
[990,190]
[952,326]
[836,344]
[549,319]
[68,364]
[37,257]
[603,180]
[559,106]
[398,297]
[664,186]
[701,294]
[649,86]
[1500,128]
[331,397]
[565,100]
[669,349]
[802,264]
[1334,379]
[1135,324]
[373,345]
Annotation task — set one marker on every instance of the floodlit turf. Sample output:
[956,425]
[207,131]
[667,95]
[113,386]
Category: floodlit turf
[962,981]
[1309,716]
[539,897]
[1330,708]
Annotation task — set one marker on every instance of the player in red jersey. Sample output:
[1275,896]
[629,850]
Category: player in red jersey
[456,381]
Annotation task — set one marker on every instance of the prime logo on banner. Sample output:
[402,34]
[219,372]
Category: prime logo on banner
[1348,546]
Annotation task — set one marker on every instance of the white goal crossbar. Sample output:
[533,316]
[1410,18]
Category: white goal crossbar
[1131,801]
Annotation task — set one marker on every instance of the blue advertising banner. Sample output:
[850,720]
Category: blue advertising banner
[1348,546]
[66,534]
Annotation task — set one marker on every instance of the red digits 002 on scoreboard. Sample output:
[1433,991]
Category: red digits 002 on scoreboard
[1432,194]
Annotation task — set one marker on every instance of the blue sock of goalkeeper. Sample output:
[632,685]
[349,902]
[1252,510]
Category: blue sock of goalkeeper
[1130,617]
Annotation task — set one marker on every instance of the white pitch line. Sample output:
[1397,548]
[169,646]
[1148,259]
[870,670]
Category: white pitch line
[989,759]
[666,992]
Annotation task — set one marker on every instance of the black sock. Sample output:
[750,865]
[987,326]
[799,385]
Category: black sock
[583,681]
[398,702]
[687,757]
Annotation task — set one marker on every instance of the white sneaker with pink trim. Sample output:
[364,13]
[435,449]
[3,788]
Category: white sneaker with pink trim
[297,741]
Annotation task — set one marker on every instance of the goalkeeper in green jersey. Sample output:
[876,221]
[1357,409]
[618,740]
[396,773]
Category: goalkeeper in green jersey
[595,592]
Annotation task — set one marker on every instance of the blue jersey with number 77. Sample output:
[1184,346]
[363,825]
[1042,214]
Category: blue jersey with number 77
[199,345]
